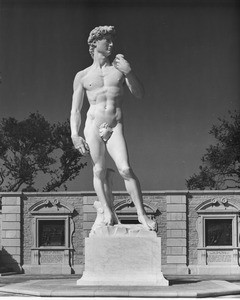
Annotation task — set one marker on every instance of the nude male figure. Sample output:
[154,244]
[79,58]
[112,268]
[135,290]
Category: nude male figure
[103,84]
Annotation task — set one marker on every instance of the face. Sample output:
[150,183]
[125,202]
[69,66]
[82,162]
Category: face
[104,45]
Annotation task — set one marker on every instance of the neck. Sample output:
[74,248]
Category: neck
[100,61]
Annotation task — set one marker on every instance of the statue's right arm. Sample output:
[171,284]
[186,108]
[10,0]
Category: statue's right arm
[75,118]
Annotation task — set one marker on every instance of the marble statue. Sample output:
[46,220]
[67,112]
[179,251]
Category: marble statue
[103,83]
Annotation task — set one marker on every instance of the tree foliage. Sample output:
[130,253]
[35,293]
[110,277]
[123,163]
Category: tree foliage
[34,147]
[220,167]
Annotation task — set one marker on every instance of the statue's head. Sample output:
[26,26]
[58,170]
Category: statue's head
[98,33]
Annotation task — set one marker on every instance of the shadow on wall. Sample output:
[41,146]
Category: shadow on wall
[8,263]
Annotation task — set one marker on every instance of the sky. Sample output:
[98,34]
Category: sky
[186,53]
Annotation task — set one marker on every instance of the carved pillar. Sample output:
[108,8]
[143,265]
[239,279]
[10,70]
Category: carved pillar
[35,257]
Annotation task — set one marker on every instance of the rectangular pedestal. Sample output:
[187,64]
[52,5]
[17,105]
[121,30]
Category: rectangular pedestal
[123,261]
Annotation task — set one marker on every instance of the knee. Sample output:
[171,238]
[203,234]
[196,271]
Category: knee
[99,172]
[126,172]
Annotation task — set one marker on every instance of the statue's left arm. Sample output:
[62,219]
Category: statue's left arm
[133,83]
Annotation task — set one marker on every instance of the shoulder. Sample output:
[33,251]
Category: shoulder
[78,79]
[79,76]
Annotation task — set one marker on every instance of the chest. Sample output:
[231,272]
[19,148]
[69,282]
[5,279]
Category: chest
[96,79]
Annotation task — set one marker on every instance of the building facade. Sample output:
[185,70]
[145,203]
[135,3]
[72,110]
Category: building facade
[43,233]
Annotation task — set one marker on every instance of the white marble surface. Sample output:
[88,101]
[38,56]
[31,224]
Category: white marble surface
[137,230]
[123,255]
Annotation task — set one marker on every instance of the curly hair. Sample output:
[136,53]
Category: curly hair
[97,34]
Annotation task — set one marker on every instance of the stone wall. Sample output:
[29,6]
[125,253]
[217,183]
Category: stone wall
[177,234]
[0,230]
[194,199]
[159,201]
[11,239]
[73,199]
[215,205]
[176,212]
[193,202]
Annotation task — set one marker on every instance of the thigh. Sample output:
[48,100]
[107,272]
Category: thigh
[117,147]
[96,146]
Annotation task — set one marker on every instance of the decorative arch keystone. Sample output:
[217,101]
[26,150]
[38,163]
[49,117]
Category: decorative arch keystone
[221,204]
[128,202]
[54,206]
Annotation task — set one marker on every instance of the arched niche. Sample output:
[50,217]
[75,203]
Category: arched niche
[52,230]
[218,230]
[127,213]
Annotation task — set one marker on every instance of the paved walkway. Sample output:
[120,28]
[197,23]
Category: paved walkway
[65,286]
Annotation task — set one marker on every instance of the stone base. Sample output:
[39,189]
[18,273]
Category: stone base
[123,256]
[47,269]
[214,270]
[175,269]
[78,269]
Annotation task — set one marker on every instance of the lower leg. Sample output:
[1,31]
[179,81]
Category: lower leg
[109,195]
[133,188]
[99,183]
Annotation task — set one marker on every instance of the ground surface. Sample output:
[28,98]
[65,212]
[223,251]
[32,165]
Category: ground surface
[22,285]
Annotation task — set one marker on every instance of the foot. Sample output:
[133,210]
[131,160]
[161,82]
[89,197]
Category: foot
[99,222]
[148,223]
[116,220]
[109,218]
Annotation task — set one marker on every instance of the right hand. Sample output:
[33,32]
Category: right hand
[81,145]
[121,64]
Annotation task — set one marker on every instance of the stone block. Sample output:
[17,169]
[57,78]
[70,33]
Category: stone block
[176,208]
[89,217]
[175,269]
[11,234]
[11,209]
[12,250]
[86,233]
[176,216]
[179,250]
[176,259]
[123,258]
[10,259]
[89,200]
[6,201]
[11,242]
[87,225]
[176,250]
[89,209]
[176,233]
[11,225]
[78,269]
[11,217]
[176,199]
[176,225]
[215,270]
[177,242]
[46,269]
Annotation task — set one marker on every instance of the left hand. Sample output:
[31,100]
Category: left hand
[80,144]
[121,64]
